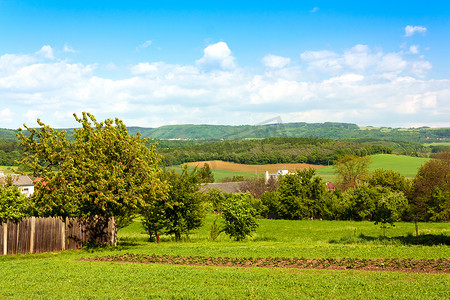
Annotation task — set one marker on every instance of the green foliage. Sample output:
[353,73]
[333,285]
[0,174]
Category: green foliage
[389,207]
[431,193]
[182,211]
[102,172]
[351,170]
[13,204]
[273,151]
[299,196]
[205,174]
[390,179]
[239,216]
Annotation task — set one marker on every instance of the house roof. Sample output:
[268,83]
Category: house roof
[20,180]
[226,187]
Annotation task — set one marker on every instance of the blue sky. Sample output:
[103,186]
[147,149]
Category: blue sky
[153,63]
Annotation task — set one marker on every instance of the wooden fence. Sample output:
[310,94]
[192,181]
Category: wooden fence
[37,235]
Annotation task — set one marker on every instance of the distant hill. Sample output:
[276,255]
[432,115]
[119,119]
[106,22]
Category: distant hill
[327,130]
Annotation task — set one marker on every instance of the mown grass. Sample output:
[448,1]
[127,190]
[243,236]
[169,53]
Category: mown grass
[60,275]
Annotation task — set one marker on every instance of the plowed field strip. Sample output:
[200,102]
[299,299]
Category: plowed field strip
[229,166]
[399,265]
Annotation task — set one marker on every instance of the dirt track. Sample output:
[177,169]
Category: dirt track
[228,166]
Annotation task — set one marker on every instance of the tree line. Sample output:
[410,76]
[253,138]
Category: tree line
[272,151]
[383,196]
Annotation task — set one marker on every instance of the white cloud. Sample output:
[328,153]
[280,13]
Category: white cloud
[69,49]
[32,115]
[411,30]
[357,85]
[274,61]
[217,56]
[46,52]
[315,9]
[5,116]
[144,45]
[414,49]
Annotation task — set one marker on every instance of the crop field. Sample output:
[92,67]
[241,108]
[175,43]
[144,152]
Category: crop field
[254,268]
[222,169]
[257,169]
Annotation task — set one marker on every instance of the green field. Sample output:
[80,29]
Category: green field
[405,165]
[60,275]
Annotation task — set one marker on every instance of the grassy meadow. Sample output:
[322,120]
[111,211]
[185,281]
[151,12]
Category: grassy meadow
[61,275]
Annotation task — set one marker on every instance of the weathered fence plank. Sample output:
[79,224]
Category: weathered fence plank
[37,235]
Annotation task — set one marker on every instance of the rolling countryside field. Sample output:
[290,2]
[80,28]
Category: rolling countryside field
[70,275]
[405,165]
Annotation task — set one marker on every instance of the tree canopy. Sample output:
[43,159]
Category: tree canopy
[102,172]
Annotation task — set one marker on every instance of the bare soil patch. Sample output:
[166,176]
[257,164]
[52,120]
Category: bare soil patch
[273,168]
[398,265]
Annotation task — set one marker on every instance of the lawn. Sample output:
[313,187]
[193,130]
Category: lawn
[61,275]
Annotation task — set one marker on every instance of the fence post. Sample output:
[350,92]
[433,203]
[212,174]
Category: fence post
[32,234]
[5,238]
[63,234]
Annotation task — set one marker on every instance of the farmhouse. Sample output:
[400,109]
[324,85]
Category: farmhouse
[23,182]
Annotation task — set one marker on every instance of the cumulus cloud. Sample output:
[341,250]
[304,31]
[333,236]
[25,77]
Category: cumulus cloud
[358,85]
[411,30]
[46,52]
[217,55]
[274,61]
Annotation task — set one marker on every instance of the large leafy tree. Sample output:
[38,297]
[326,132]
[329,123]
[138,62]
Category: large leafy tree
[431,193]
[102,172]
[301,195]
[351,170]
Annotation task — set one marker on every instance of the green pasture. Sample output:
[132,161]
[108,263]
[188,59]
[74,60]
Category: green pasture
[61,275]
[437,144]
[405,165]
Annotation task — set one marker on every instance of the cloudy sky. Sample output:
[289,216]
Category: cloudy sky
[154,63]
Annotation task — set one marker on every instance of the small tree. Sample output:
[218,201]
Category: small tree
[389,207]
[205,174]
[183,210]
[239,216]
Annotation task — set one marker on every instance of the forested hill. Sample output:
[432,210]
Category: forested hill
[318,130]
[326,130]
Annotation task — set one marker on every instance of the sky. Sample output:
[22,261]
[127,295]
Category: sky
[155,63]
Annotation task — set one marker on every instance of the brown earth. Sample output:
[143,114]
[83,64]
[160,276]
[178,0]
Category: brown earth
[397,265]
[229,166]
